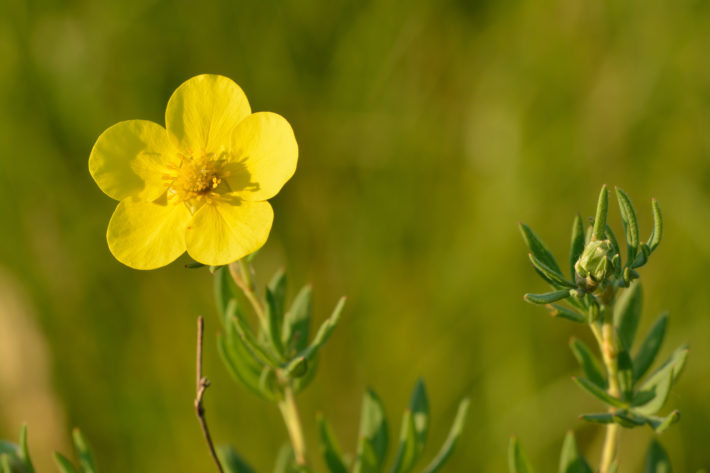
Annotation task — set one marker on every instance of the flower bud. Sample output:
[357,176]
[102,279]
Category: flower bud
[595,264]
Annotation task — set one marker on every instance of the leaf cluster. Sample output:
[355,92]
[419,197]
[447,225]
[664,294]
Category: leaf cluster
[16,458]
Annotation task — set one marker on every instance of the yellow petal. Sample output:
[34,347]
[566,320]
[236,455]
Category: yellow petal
[264,156]
[226,231]
[147,235]
[129,159]
[203,112]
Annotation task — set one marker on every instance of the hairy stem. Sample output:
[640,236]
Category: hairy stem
[289,411]
[609,352]
[241,274]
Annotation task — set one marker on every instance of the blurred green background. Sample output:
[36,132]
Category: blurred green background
[427,130]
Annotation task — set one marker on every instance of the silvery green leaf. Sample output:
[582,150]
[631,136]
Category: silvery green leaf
[538,248]
[550,275]
[367,461]
[419,406]
[631,227]
[517,461]
[407,451]
[570,459]
[657,232]
[448,448]
[231,461]
[563,312]
[547,297]
[297,320]
[627,313]
[657,460]
[577,243]
[64,465]
[373,427]
[598,392]
[324,332]
[329,447]
[600,216]
[650,347]
[589,362]
[86,459]
[660,424]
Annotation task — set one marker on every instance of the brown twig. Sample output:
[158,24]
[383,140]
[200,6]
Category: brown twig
[201,387]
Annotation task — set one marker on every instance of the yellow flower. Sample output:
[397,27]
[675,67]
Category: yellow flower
[201,183]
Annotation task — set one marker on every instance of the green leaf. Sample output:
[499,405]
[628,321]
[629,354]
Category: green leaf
[609,233]
[550,275]
[324,332]
[24,451]
[250,342]
[407,452]
[419,406]
[660,424]
[231,461]
[565,313]
[650,347]
[297,368]
[224,291]
[517,461]
[598,392]
[538,248]
[275,303]
[64,465]
[660,391]
[673,365]
[547,297]
[577,244]
[570,459]
[367,461]
[373,426]
[329,447]
[603,418]
[239,362]
[628,419]
[5,463]
[284,460]
[86,460]
[631,227]
[657,232]
[589,362]
[297,320]
[626,374]
[448,448]
[627,313]
[657,460]
[600,216]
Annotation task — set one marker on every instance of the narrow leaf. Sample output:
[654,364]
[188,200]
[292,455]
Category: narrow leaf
[419,405]
[577,244]
[657,232]
[626,374]
[660,424]
[231,461]
[329,447]
[600,216]
[367,461]
[650,347]
[240,362]
[24,451]
[64,465]
[628,419]
[673,365]
[627,313]
[5,466]
[660,391]
[325,330]
[547,297]
[86,460]
[373,426]
[570,459]
[517,461]
[250,341]
[407,451]
[589,362]
[552,276]
[562,312]
[609,233]
[275,303]
[604,418]
[657,460]
[538,248]
[448,448]
[631,227]
[297,322]
[598,392]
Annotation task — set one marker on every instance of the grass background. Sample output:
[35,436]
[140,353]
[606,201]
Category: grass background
[427,130]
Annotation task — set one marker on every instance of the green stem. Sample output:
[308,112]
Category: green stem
[289,411]
[241,274]
[609,352]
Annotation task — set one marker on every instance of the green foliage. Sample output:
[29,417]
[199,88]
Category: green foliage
[373,437]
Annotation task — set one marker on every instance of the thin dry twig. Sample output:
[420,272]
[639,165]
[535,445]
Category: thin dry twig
[201,387]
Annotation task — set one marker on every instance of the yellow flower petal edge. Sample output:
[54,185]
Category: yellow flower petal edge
[226,232]
[129,159]
[146,235]
[201,183]
[264,156]
[203,112]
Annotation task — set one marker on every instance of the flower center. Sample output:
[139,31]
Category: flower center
[196,180]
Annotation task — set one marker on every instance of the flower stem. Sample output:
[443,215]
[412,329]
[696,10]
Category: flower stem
[609,352]
[241,274]
[289,411]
